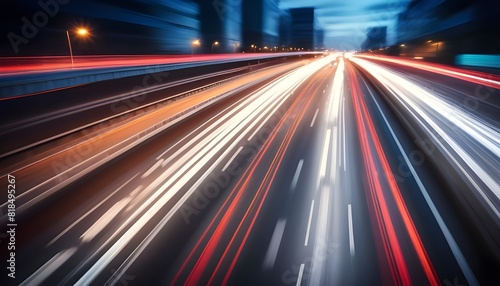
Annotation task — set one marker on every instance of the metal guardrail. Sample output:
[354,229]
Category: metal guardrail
[88,165]
[127,114]
[21,84]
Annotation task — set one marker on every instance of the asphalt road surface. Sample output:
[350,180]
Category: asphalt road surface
[337,170]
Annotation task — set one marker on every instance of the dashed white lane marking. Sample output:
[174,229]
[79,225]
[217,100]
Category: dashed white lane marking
[232,158]
[274,245]
[351,231]
[301,272]
[314,118]
[309,223]
[297,174]
[324,158]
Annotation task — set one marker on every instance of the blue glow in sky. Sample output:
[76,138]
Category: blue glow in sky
[345,22]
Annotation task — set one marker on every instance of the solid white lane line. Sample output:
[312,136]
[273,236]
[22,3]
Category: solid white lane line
[152,169]
[341,125]
[232,158]
[462,262]
[335,152]
[49,267]
[309,223]
[91,210]
[314,118]
[274,244]
[301,272]
[324,158]
[297,174]
[343,129]
[351,230]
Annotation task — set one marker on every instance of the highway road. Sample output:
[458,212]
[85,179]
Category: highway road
[337,170]
[43,64]
[47,63]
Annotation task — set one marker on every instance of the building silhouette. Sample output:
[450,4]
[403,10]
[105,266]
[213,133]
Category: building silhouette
[221,22]
[260,21]
[376,38]
[303,27]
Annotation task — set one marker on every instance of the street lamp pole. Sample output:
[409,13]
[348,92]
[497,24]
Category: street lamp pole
[194,43]
[70,50]
[215,43]
[82,32]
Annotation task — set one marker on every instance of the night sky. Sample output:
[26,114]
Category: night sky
[116,27]
[165,26]
[345,23]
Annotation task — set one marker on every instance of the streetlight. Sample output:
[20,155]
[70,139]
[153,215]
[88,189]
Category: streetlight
[194,43]
[437,47]
[214,43]
[80,31]
[236,45]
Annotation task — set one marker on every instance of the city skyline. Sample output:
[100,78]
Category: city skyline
[342,27]
[39,28]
